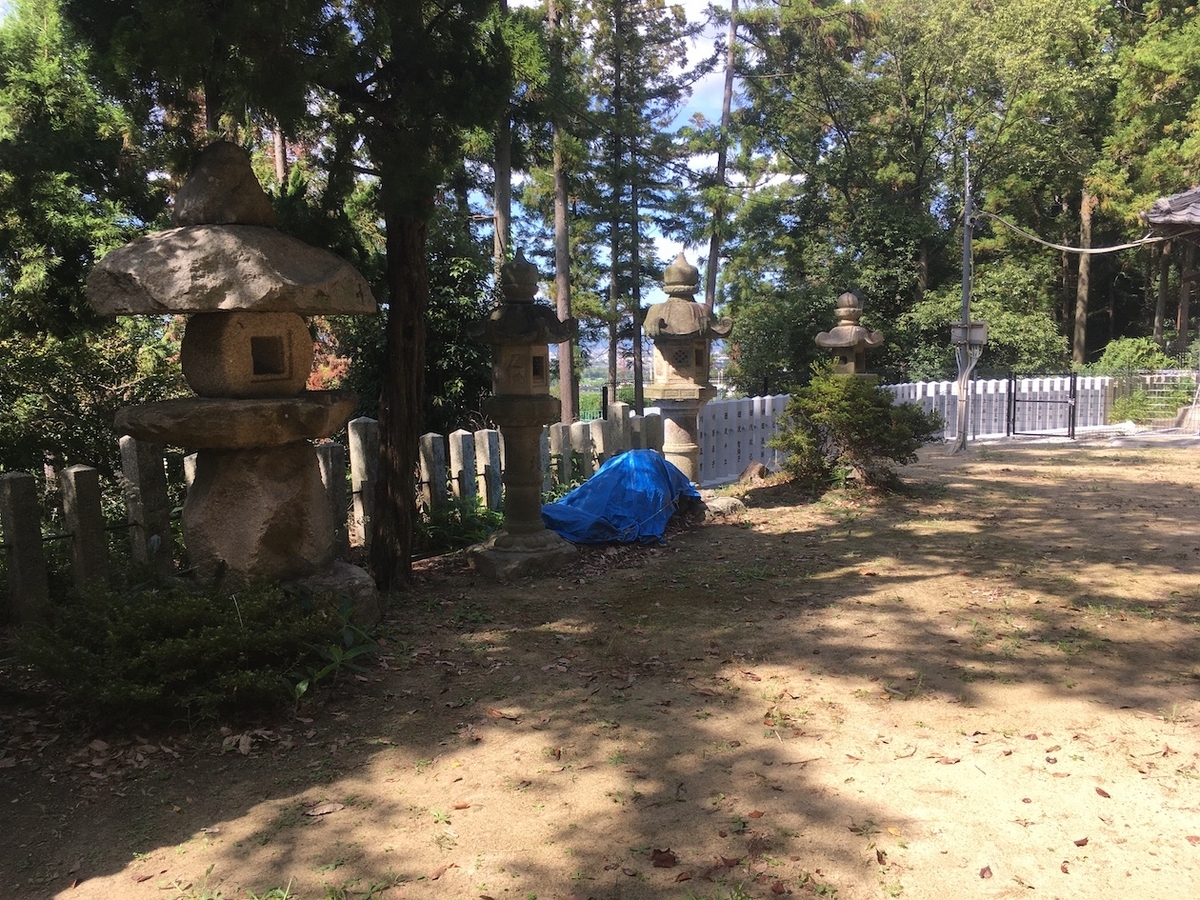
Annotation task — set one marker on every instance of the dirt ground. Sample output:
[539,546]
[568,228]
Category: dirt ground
[986,687]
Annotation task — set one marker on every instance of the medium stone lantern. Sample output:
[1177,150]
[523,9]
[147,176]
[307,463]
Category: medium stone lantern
[256,508]
[849,340]
[520,331]
[682,331]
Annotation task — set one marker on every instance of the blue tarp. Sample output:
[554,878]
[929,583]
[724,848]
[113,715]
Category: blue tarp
[629,500]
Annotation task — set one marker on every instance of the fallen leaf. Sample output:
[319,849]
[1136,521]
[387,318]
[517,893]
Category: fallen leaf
[462,805]
[683,876]
[8,762]
[1063,868]
[632,873]
[1031,737]
[730,863]
[779,888]
[1054,749]
[880,857]
[1052,759]
[985,872]
[142,878]
[499,714]
[1066,775]
[440,871]
[754,814]
[98,745]
[948,760]
[663,859]
[1102,792]
[1082,842]
[1194,839]
[893,831]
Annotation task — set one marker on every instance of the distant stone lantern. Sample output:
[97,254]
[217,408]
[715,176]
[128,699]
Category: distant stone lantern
[849,340]
[256,508]
[683,331]
[520,331]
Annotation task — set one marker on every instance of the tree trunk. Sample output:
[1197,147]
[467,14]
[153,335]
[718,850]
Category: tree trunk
[635,300]
[1186,277]
[281,164]
[1160,302]
[614,305]
[401,400]
[719,211]
[568,383]
[1079,343]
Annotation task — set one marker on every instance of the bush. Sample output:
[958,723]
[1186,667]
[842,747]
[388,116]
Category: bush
[183,654]
[1124,356]
[842,425]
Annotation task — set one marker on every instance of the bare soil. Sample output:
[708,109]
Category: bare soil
[988,686]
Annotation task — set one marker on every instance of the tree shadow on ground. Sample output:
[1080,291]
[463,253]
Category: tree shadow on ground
[672,722]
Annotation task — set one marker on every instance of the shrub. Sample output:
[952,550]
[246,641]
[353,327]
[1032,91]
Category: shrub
[1125,356]
[184,654]
[842,425]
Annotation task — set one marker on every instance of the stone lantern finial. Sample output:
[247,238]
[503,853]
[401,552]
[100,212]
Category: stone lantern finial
[518,279]
[681,279]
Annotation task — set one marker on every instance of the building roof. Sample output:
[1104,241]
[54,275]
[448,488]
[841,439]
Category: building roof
[1175,212]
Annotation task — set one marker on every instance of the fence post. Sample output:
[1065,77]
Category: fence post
[618,428]
[462,464]
[363,439]
[21,528]
[652,432]
[487,461]
[581,443]
[560,452]
[331,457]
[146,500]
[432,450]
[85,521]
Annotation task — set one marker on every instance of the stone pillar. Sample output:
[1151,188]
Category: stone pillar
[147,504]
[85,522]
[21,529]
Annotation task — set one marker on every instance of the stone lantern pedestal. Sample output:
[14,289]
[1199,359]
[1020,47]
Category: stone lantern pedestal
[520,330]
[256,509]
[682,331]
[848,340]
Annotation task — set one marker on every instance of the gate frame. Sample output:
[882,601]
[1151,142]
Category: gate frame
[1010,425]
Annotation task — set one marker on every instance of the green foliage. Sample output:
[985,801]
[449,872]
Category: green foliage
[182,654]
[455,525]
[1126,356]
[1147,403]
[841,425]
[58,396]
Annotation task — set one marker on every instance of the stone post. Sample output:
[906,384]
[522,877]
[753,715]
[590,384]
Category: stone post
[147,504]
[85,522]
[21,529]
[520,330]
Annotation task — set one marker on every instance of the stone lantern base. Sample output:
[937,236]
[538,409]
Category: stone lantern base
[506,556]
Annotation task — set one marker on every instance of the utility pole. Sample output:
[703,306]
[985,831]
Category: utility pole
[968,337]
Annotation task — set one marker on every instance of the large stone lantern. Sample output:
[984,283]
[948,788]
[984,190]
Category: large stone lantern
[682,331]
[848,340]
[520,331]
[256,508]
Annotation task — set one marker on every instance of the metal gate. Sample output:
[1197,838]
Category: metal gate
[1039,413]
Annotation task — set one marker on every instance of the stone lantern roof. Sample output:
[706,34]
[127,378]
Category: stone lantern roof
[848,333]
[518,320]
[680,316]
[224,255]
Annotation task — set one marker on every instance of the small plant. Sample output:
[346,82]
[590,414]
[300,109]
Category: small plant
[842,424]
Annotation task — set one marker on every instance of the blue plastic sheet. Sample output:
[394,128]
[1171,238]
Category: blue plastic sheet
[629,500]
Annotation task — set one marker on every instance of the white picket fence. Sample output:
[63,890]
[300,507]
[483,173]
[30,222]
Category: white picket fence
[734,433]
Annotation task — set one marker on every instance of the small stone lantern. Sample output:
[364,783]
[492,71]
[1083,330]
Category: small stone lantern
[520,331]
[682,331]
[849,340]
[256,508]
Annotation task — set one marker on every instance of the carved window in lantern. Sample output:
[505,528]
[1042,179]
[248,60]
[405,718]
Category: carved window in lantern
[701,357]
[681,358]
[268,357]
[541,374]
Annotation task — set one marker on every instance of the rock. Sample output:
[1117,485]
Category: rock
[756,471]
[209,268]
[258,515]
[343,583]
[724,506]
[199,423]
[222,190]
